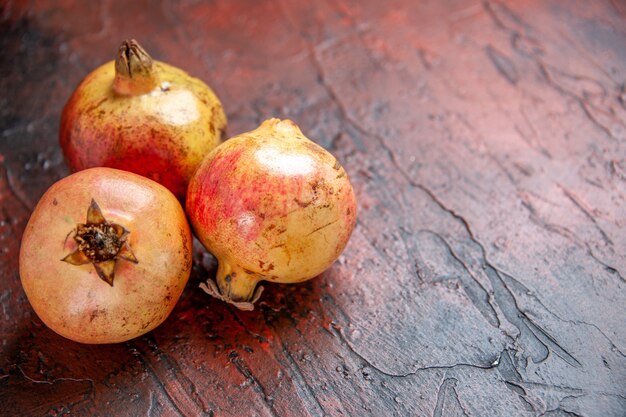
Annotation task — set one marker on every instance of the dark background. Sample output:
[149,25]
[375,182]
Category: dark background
[486,142]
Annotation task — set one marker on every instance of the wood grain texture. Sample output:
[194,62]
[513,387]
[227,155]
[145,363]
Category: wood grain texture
[486,142]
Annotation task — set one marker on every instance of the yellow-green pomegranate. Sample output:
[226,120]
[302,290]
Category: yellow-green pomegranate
[142,116]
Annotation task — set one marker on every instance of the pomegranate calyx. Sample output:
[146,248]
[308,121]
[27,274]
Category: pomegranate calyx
[100,243]
[134,73]
[211,288]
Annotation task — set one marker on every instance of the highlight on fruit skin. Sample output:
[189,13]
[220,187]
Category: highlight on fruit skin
[105,256]
[144,116]
[271,205]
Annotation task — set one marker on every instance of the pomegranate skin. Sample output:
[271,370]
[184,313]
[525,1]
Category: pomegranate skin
[271,205]
[160,123]
[72,299]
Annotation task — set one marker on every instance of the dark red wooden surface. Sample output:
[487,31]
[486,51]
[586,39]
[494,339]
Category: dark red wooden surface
[486,142]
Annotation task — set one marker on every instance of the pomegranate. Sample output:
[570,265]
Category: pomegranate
[270,205]
[142,116]
[105,256]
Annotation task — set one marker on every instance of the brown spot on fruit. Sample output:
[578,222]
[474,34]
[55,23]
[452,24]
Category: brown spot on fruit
[315,149]
[54,202]
[302,204]
[96,313]
[316,184]
[186,253]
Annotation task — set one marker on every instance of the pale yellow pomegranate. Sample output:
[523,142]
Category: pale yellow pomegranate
[105,255]
[270,205]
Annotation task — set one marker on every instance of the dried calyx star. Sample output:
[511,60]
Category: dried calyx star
[100,243]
